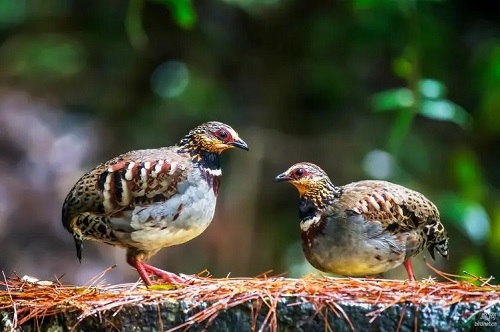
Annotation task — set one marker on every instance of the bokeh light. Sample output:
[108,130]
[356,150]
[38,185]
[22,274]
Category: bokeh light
[170,79]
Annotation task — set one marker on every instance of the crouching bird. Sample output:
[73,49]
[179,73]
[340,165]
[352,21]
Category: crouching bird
[363,228]
[146,200]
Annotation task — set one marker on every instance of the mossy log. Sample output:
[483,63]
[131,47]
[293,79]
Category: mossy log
[253,304]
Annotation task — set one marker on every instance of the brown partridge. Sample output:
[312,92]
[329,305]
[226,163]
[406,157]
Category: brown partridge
[146,200]
[365,227]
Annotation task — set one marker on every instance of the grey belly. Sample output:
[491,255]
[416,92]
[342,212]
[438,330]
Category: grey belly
[353,249]
[178,220]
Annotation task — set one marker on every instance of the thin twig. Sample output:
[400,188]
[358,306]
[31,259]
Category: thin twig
[30,299]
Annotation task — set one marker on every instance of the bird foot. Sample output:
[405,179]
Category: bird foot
[145,270]
[166,276]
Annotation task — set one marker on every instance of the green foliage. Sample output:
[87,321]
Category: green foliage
[430,96]
[368,4]
[494,243]
[426,97]
[467,215]
[48,56]
[474,265]
[469,175]
[133,24]
[12,12]
[488,72]
[254,6]
[182,11]
[145,70]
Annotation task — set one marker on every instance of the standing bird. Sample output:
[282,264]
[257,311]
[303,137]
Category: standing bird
[146,200]
[365,227]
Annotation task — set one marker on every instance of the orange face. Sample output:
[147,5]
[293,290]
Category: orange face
[304,176]
[225,138]
[216,137]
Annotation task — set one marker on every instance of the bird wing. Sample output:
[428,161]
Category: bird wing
[129,180]
[397,208]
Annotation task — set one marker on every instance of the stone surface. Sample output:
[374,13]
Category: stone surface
[292,314]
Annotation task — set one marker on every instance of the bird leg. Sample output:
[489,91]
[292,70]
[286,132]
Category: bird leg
[164,275]
[409,269]
[144,269]
[141,270]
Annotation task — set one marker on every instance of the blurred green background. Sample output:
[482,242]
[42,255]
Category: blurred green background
[407,91]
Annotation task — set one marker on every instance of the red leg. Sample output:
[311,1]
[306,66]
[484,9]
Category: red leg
[409,269]
[164,275]
[140,269]
[144,269]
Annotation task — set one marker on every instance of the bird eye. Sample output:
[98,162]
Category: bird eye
[299,172]
[222,134]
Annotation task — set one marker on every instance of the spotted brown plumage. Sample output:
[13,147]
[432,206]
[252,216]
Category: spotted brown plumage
[146,200]
[363,228]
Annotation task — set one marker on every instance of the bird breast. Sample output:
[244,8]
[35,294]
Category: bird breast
[179,219]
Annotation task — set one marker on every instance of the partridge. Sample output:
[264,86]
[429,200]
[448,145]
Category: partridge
[363,228]
[146,200]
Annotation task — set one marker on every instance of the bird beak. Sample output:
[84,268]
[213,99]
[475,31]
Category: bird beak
[239,143]
[282,177]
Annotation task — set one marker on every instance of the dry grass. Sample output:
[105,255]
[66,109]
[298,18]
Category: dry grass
[32,299]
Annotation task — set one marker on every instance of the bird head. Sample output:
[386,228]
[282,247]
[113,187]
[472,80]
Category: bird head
[214,137]
[309,179]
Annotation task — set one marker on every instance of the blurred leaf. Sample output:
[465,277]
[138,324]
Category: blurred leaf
[494,242]
[12,12]
[400,129]
[469,175]
[364,4]
[182,11]
[47,56]
[431,89]
[490,104]
[474,265]
[470,217]
[253,6]
[434,106]
[444,110]
[133,24]
[431,106]
[393,99]
[397,99]
[489,85]
[402,67]
[491,72]
[464,208]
